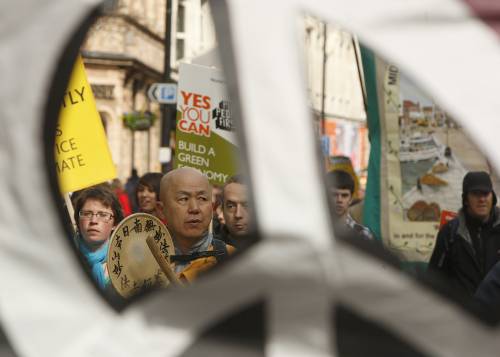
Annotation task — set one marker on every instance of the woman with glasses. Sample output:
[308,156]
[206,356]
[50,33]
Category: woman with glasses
[97,213]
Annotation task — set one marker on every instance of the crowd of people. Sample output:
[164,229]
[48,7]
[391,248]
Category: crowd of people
[465,261]
[183,201]
[208,223]
[466,255]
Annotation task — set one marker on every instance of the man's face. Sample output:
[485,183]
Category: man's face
[235,209]
[146,199]
[95,230]
[479,204]
[342,199]
[187,206]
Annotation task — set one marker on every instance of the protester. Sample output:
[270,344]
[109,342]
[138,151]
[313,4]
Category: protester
[341,188]
[344,163]
[217,216]
[220,215]
[218,222]
[186,198]
[216,194]
[97,212]
[148,194]
[130,187]
[467,247]
[117,187]
[236,213]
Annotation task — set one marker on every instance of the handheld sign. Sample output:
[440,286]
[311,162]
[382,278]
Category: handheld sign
[82,155]
[205,138]
[131,265]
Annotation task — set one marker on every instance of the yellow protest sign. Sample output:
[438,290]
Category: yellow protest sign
[82,154]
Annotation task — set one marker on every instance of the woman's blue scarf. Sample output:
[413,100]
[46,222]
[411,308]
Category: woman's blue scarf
[96,260]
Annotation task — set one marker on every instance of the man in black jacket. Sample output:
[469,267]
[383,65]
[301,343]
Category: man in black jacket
[468,246]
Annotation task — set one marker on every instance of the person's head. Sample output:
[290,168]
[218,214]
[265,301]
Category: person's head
[186,197]
[217,204]
[97,212]
[116,185]
[133,172]
[235,206]
[148,192]
[340,188]
[478,196]
[216,195]
[344,163]
[219,213]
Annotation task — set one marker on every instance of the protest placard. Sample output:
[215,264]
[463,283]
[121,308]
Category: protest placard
[82,154]
[205,137]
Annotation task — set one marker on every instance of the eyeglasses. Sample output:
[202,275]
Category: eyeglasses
[100,215]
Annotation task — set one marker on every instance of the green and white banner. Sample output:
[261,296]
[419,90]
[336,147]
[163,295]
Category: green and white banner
[418,160]
[205,137]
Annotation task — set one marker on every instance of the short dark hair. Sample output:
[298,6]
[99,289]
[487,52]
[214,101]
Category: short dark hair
[151,180]
[103,195]
[477,181]
[340,179]
[238,178]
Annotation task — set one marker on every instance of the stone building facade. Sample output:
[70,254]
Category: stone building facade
[123,55]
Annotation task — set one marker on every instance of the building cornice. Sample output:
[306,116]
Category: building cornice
[116,60]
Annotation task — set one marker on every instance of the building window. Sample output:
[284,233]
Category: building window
[181,15]
[180,48]
[103,91]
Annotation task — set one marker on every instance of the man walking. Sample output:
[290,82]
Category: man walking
[468,246]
